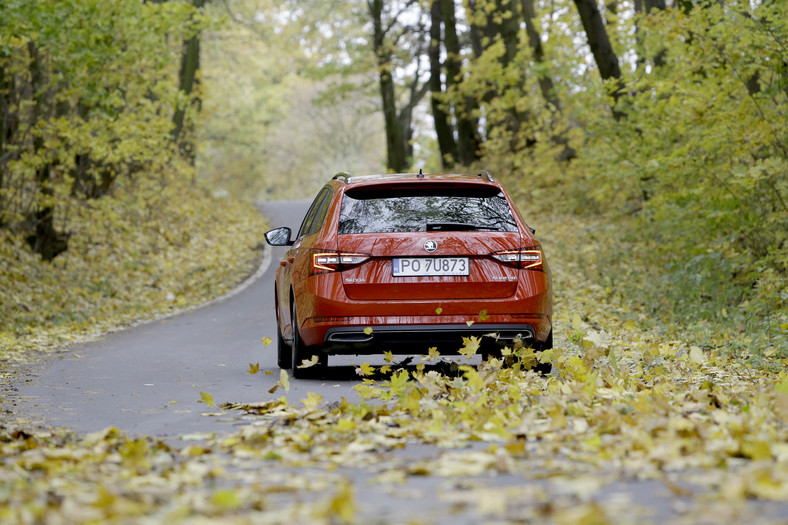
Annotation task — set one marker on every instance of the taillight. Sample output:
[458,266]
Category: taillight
[522,258]
[323,262]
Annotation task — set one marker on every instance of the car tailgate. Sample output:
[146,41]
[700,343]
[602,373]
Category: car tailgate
[375,280]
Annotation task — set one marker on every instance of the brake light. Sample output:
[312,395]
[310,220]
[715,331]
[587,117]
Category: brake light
[323,262]
[522,258]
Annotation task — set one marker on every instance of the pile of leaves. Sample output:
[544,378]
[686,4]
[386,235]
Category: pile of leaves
[625,403]
[156,245]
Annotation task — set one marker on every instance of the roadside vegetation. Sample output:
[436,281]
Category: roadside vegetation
[654,170]
[101,221]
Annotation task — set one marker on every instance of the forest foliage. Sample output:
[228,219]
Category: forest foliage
[101,222]
[666,119]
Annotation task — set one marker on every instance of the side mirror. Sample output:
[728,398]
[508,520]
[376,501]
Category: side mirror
[279,236]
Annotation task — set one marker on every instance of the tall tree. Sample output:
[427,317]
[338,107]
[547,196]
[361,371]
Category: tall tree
[187,81]
[443,127]
[85,97]
[535,42]
[499,22]
[44,239]
[387,34]
[599,42]
[468,140]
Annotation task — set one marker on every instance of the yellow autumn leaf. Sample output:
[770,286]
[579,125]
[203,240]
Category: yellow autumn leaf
[254,368]
[756,450]
[696,355]
[470,345]
[470,323]
[306,363]
[206,398]
[368,330]
[266,341]
[439,310]
[284,379]
[365,370]
[226,499]
[312,400]
[342,507]
[346,425]
[483,316]
[366,391]
[388,356]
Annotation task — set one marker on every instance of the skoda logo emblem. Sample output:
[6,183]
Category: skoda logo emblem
[430,246]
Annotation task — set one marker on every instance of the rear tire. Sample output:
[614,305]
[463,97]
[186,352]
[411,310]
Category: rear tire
[284,352]
[301,352]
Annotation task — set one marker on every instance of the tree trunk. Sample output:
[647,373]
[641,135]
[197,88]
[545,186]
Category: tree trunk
[45,239]
[599,42]
[190,65]
[475,31]
[534,40]
[5,118]
[546,85]
[509,28]
[468,140]
[396,146]
[499,21]
[443,127]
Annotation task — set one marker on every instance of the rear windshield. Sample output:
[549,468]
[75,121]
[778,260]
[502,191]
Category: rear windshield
[480,208]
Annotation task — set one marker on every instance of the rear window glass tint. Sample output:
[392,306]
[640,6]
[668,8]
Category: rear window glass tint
[481,208]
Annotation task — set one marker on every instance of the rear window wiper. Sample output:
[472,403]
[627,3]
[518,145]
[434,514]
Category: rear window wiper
[457,227]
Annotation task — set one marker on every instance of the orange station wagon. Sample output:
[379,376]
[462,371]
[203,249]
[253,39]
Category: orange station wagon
[405,262]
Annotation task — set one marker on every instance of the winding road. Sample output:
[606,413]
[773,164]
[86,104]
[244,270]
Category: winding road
[148,380]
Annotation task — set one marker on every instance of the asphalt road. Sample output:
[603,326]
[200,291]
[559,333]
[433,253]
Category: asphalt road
[148,380]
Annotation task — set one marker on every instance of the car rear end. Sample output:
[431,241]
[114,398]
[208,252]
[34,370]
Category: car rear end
[416,262]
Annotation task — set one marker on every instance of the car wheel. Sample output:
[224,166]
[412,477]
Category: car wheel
[301,352]
[284,352]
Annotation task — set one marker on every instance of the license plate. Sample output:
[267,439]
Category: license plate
[429,266]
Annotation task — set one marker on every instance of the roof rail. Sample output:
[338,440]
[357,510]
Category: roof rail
[486,175]
[342,175]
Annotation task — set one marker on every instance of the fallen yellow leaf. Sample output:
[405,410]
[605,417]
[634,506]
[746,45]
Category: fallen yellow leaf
[284,379]
[206,398]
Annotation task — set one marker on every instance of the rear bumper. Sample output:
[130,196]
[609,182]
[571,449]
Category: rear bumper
[415,334]
[328,317]
[418,338]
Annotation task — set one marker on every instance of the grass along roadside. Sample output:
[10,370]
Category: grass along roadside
[136,256]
